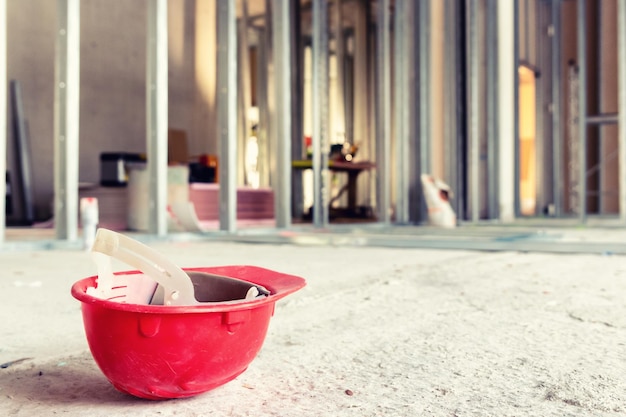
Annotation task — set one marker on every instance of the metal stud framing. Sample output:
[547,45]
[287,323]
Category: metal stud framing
[227,112]
[452,87]
[410,48]
[282,91]
[425,104]
[621,80]
[3,115]
[402,98]
[66,120]
[320,113]
[383,119]
[492,108]
[244,89]
[507,99]
[557,148]
[516,130]
[582,108]
[473,109]
[156,115]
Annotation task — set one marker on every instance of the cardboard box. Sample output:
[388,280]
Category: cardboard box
[177,150]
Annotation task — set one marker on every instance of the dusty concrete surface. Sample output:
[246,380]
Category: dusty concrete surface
[377,332]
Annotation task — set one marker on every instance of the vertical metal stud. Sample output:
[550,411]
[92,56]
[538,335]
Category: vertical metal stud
[227,112]
[508,184]
[473,60]
[320,113]
[621,81]
[383,119]
[403,109]
[297,106]
[557,133]
[450,149]
[263,101]
[340,67]
[517,208]
[66,119]
[599,184]
[3,116]
[156,115]
[282,91]
[244,88]
[424,100]
[363,96]
[582,106]
[492,108]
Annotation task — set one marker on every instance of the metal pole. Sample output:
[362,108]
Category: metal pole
[492,108]
[542,154]
[383,120]
[267,114]
[263,103]
[244,95]
[582,106]
[557,133]
[156,115]
[516,131]
[402,113]
[621,92]
[66,119]
[425,130]
[3,117]
[282,91]
[340,60]
[320,113]
[507,99]
[297,107]
[227,112]
[473,60]
[450,90]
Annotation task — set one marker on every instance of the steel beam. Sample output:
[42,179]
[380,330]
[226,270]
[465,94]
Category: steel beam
[320,113]
[157,115]
[227,112]
[383,116]
[66,119]
[557,130]
[582,107]
[282,92]
[621,93]
[3,117]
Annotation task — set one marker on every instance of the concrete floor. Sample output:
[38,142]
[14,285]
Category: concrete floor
[378,331]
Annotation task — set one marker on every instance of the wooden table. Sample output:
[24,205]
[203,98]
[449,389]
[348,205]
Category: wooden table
[352,169]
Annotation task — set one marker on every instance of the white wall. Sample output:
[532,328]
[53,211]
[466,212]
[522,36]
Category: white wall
[112,96]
